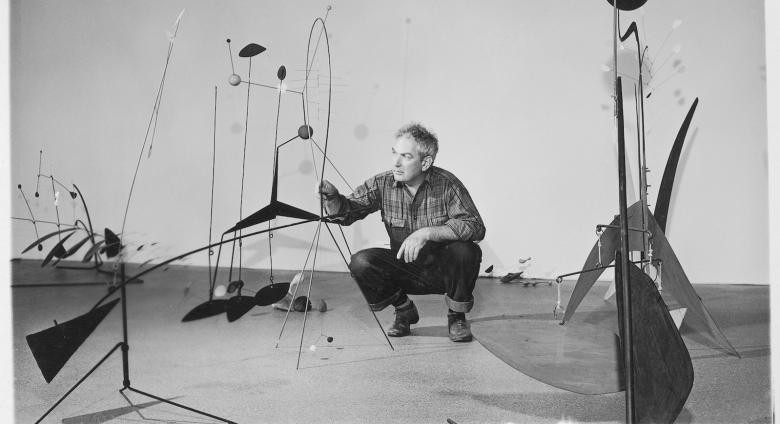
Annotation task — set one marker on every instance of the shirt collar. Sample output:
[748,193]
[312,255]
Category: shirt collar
[399,184]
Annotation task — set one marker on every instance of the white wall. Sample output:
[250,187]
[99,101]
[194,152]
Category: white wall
[515,91]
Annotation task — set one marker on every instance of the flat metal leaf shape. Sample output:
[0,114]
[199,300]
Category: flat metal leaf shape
[205,310]
[113,244]
[46,237]
[251,50]
[75,248]
[271,294]
[58,251]
[93,250]
[237,306]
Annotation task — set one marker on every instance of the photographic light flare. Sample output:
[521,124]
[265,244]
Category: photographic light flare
[220,290]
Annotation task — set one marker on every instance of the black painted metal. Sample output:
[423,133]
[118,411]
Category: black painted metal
[53,346]
[662,373]
[667,181]
[624,312]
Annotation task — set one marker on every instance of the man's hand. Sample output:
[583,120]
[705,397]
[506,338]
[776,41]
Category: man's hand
[326,190]
[411,247]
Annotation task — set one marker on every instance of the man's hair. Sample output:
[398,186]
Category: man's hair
[427,143]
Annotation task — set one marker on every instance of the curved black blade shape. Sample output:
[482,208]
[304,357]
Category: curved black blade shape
[75,248]
[251,50]
[58,251]
[112,244]
[46,237]
[205,310]
[52,347]
[667,181]
[628,4]
[237,306]
[93,250]
[662,371]
[271,294]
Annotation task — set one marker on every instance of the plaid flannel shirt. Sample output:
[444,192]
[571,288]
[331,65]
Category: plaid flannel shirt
[440,200]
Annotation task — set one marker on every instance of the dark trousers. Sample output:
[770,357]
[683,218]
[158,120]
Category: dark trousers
[440,268]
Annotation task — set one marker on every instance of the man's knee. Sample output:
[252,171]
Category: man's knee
[362,261]
[465,251]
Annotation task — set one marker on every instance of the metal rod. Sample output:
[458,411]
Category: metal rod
[626,331]
[179,405]
[384,333]
[125,345]
[80,381]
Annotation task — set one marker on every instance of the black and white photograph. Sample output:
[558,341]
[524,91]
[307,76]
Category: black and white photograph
[409,211]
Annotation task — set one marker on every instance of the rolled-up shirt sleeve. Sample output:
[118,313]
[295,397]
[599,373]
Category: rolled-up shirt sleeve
[464,219]
[363,201]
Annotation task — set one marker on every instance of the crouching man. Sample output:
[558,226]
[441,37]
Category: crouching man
[433,225]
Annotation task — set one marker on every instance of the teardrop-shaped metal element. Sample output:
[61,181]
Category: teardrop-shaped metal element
[237,306]
[251,50]
[113,244]
[271,294]
[281,73]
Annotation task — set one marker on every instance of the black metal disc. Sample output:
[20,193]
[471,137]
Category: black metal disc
[237,306]
[281,73]
[628,4]
[251,49]
[205,310]
[271,293]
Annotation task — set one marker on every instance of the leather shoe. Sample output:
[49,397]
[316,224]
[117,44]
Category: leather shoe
[404,317]
[460,331]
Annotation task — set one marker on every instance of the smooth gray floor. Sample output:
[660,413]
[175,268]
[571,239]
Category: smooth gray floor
[233,370]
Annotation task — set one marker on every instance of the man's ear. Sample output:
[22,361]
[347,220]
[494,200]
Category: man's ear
[427,162]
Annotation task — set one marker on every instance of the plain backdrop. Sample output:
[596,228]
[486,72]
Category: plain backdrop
[529,208]
[519,94]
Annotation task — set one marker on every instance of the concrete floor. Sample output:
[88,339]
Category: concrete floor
[233,370]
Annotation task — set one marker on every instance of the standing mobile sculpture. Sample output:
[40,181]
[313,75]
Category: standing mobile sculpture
[52,347]
[657,369]
[238,305]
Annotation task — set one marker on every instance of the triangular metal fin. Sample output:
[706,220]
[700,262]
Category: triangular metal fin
[54,346]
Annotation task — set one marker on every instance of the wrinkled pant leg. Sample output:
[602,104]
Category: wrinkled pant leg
[459,266]
[380,275]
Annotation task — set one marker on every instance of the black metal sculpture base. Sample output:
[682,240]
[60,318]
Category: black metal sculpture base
[84,326]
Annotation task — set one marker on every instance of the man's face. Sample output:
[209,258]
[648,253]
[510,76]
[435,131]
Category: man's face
[408,164]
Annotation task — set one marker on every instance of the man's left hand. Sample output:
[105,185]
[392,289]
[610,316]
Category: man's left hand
[412,246]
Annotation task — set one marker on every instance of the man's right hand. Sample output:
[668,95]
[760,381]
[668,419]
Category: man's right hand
[327,190]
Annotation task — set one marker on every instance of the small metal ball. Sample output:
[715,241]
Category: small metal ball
[234,80]
[330,339]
